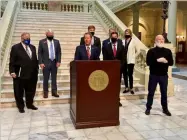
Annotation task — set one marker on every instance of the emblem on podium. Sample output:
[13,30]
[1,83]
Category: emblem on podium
[98,80]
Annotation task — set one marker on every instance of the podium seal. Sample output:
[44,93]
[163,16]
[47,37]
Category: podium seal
[98,80]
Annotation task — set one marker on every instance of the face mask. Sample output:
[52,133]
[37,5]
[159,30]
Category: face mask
[26,41]
[92,33]
[113,40]
[50,38]
[127,36]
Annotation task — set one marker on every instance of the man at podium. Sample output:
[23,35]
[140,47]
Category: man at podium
[87,51]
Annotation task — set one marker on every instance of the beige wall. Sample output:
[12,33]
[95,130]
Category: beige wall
[151,23]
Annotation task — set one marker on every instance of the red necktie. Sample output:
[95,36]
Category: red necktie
[88,52]
[114,50]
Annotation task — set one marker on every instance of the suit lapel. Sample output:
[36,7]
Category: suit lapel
[110,48]
[46,46]
[118,48]
[92,52]
[24,51]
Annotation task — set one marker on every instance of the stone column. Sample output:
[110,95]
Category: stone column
[172,22]
[0,9]
[136,11]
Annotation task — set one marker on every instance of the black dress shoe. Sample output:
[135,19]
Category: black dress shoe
[45,94]
[21,110]
[32,107]
[126,90]
[55,95]
[120,104]
[167,112]
[147,112]
[132,91]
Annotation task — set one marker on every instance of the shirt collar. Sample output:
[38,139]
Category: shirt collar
[88,46]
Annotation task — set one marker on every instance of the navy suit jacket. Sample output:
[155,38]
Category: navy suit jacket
[81,53]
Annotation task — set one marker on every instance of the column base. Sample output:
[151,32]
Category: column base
[175,69]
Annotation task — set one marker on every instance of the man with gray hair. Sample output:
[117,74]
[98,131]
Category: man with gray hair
[49,55]
[23,68]
[158,59]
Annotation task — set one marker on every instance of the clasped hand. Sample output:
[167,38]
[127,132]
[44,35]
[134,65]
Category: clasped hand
[162,60]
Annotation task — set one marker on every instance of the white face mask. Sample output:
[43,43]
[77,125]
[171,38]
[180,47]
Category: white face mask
[159,44]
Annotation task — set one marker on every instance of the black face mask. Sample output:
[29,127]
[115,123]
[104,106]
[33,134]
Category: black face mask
[92,33]
[127,36]
[113,40]
[50,37]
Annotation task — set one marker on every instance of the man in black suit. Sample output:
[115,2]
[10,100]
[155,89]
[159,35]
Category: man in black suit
[87,51]
[107,41]
[95,40]
[49,55]
[114,51]
[23,68]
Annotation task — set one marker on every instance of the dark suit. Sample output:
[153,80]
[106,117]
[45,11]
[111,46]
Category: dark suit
[105,44]
[108,51]
[81,53]
[26,70]
[50,66]
[97,43]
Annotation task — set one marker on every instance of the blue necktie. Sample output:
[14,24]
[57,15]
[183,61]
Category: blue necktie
[52,51]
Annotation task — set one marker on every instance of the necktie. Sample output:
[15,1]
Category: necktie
[27,51]
[51,51]
[114,50]
[88,52]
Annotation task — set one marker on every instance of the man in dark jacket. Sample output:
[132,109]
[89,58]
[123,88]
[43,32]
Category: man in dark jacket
[49,56]
[158,60]
[95,40]
[23,68]
[87,51]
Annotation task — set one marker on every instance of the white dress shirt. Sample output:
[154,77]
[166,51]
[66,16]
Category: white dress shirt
[92,40]
[30,52]
[49,46]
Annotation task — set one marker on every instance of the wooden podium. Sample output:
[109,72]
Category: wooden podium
[94,93]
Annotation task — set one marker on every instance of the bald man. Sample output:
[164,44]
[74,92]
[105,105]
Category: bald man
[158,59]
[23,68]
[49,55]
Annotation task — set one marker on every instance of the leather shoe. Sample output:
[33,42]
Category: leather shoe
[147,112]
[167,112]
[45,94]
[21,110]
[32,107]
[55,94]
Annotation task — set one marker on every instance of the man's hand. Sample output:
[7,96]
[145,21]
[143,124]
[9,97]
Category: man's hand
[57,64]
[13,75]
[42,66]
[162,60]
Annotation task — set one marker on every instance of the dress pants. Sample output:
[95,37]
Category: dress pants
[163,82]
[50,68]
[27,86]
[128,70]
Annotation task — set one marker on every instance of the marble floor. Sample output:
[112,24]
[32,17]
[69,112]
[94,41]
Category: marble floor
[53,122]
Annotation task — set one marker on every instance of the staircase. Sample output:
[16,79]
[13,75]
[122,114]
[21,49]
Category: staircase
[68,28]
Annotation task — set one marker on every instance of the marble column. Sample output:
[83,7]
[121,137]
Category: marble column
[136,11]
[172,22]
[0,9]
